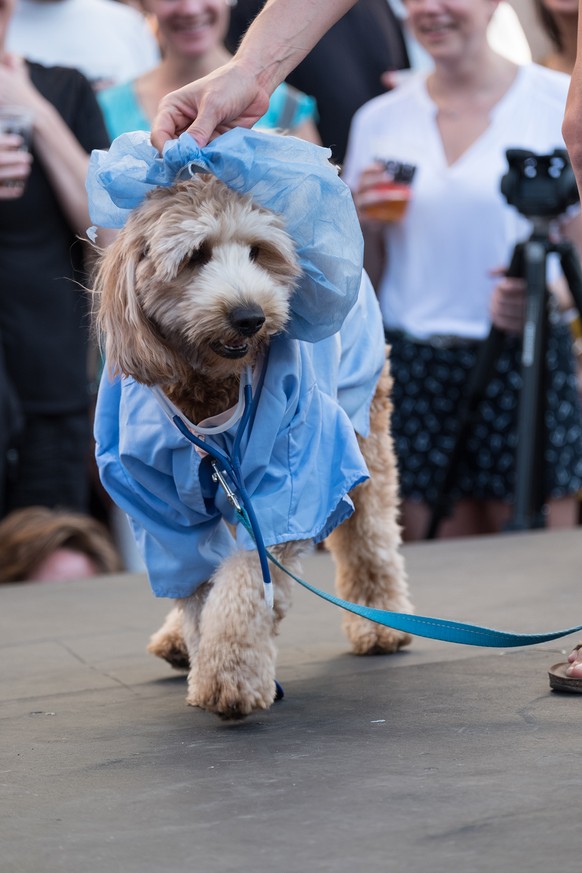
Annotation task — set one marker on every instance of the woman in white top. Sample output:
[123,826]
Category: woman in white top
[439,271]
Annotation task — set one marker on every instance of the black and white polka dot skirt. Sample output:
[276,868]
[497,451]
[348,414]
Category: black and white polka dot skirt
[429,386]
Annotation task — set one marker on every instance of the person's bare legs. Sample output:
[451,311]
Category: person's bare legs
[468,518]
[563,512]
[473,517]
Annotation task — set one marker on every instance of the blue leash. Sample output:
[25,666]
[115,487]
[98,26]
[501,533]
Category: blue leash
[424,626]
[419,625]
[223,466]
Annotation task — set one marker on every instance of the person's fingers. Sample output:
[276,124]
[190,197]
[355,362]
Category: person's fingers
[14,171]
[509,305]
[203,128]
[201,123]
[229,97]
[162,130]
[169,123]
[11,141]
[14,165]
[507,308]
[501,273]
[513,326]
[511,285]
[512,296]
[369,178]
[389,79]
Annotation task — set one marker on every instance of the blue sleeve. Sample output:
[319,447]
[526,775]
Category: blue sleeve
[141,458]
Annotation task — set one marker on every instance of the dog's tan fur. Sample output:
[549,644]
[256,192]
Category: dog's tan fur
[166,290]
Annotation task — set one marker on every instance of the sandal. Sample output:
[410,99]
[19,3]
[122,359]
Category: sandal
[560,681]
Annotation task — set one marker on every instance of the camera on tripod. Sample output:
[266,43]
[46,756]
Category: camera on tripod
[539,186]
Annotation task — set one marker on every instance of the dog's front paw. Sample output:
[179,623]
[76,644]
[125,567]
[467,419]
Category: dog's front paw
[368,638]
[233,693]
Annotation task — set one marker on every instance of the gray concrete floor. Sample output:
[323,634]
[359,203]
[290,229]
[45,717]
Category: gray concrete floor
[441,758]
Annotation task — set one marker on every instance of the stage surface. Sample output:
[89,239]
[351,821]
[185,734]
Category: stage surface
[442,758]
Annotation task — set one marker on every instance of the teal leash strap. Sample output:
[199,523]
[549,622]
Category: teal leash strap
[424,626]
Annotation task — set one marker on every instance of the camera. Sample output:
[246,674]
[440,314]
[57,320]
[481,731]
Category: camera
[539,186]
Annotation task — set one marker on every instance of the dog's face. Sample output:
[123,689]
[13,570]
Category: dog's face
[200,278]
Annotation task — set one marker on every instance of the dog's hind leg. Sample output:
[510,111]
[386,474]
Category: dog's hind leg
[369,567]
[233,670]
[177,640]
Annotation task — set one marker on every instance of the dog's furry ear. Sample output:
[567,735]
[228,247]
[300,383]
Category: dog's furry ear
[132,347]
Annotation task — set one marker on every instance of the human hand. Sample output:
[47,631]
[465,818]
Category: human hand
[229,97]
[370,178]
[381,197]
[14,166]
[508,303]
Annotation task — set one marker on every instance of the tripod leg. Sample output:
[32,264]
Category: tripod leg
[527,502]
[480,377]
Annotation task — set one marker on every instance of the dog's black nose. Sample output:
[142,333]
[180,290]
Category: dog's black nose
[247,320]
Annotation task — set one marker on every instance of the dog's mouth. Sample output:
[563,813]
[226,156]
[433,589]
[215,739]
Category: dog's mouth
[232,350]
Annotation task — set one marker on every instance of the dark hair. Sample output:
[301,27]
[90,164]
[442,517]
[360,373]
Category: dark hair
[548,23]
[28,536]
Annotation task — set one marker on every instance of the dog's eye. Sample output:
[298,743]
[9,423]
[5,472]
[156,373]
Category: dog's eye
[254,253]
[199,257]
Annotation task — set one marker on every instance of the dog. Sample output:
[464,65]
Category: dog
[196,288]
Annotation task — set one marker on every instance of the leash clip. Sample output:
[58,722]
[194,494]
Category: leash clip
[220,476]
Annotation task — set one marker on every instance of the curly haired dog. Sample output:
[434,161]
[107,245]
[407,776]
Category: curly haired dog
[194,289]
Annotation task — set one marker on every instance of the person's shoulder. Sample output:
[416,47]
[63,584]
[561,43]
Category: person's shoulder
[547,85]
[57,77]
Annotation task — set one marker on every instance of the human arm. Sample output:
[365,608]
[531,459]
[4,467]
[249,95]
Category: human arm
[237,94]
[62,157]
[373,231]
[572,126]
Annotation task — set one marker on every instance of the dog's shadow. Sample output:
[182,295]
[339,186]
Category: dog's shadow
[336,686]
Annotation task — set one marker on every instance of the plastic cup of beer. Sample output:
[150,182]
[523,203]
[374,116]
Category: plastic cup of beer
[16,120]
[388,200]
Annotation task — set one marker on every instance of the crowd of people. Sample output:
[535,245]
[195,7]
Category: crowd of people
[437,85]
[441,269]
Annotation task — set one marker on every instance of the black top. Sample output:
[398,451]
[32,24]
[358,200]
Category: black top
[343,71]
[44,318]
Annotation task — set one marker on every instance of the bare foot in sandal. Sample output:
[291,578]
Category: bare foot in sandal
[575,662]
[568,676]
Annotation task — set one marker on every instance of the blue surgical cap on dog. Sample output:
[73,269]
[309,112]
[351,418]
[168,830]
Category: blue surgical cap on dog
[291,177]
